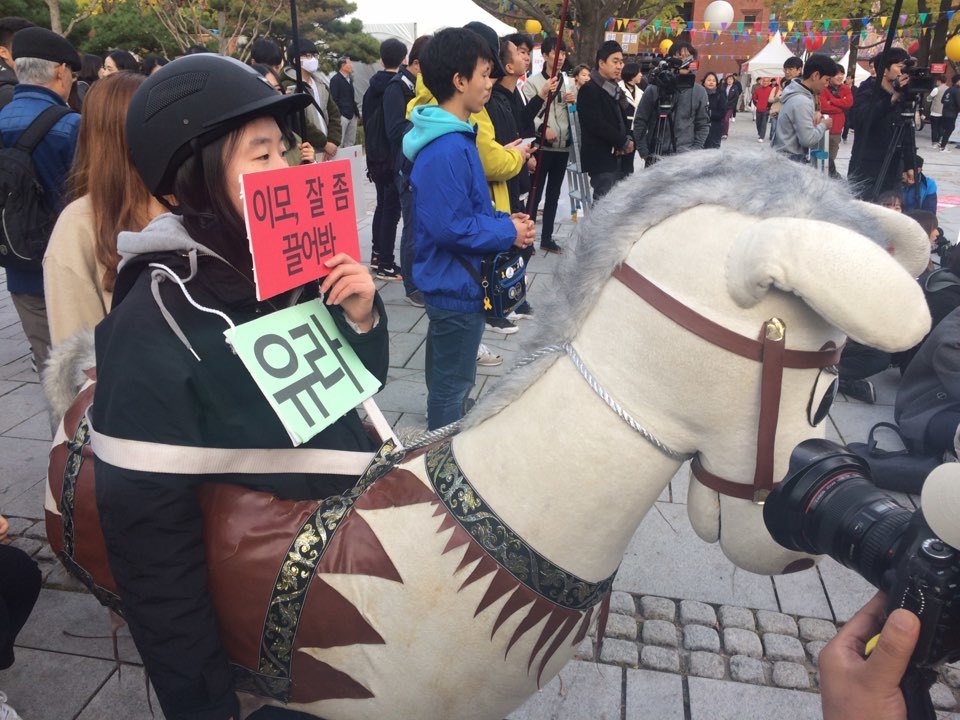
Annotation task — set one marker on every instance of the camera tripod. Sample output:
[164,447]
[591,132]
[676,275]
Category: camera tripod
[665,108]
[904,140]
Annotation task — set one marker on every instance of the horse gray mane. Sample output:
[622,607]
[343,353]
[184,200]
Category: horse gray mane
[755,182]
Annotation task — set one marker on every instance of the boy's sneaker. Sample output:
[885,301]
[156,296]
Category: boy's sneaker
[389,272]
[523,311]
[487,358]
[499,325]
[415,298]
[374,261]
[550,246]
[861,390]
[7,712]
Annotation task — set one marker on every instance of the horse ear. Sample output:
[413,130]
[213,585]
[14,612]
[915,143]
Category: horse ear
[908,243]
[851,282]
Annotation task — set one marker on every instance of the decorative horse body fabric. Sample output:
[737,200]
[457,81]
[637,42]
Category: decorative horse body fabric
[456,582]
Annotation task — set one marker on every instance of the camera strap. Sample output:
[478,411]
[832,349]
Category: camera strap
[769,350]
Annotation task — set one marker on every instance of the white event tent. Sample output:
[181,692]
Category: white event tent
[769,61]
[406,21]
[859,74]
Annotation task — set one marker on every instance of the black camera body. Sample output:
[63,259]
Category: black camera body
[920,81]
[669,80]
[828,505]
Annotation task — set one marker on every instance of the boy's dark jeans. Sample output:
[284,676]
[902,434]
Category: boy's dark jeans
[407,247]
[453,339]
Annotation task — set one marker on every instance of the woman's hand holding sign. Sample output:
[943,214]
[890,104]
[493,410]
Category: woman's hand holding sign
[350,286]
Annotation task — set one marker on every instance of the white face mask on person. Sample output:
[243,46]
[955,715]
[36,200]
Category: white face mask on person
[310,65]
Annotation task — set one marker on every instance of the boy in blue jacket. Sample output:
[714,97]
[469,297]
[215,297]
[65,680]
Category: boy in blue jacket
[453,215]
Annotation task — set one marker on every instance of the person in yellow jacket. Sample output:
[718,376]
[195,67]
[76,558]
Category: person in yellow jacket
[500,162]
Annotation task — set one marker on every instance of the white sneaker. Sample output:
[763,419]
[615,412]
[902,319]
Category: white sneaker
[7,712]
[760,140]
[485,358]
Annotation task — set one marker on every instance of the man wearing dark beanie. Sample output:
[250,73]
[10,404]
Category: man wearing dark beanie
[45,64]
[8,78]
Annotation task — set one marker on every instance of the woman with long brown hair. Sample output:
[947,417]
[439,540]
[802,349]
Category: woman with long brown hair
[108,197]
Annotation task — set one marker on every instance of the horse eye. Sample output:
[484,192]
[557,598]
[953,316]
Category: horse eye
[823,394]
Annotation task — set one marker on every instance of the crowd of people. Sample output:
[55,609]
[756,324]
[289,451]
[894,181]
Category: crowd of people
[141,167]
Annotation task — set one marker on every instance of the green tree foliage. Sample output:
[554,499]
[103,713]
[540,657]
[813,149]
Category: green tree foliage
[323,22]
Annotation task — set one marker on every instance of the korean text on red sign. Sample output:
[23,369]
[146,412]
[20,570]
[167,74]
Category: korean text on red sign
[297,218]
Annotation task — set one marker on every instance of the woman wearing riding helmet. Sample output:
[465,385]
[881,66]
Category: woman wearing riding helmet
[166,376]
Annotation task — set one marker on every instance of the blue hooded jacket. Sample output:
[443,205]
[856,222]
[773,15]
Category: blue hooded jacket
[452,210]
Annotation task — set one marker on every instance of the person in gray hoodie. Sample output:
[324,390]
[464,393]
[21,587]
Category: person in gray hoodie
[690,116]
[800,124]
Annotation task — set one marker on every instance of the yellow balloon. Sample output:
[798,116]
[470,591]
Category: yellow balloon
[953,48]
[665,46]
[533,26]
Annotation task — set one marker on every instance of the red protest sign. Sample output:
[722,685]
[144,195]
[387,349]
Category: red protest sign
[297,218]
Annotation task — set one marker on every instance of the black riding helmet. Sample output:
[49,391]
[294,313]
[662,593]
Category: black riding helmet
[191,102]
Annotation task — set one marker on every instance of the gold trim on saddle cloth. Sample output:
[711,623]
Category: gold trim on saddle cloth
[505,546]
[273,677]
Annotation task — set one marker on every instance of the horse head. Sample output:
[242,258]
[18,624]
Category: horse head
[753,245]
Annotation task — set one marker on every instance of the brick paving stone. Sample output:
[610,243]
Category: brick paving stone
[737,617]
[705,664]
[697,613]
[659,632]
[37,531]
[943,697]
[19,526]
[660,658]
[620,652]
[814,648]
[623,603]
[813,629]
[657,608]
[783,647]
[771,622]
[737,641]
[790,675]
[746,670]
[585,650]
[59,578]
[45,554]
[621,626]
[700,637]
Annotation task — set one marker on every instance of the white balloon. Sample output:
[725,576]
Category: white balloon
[718,12]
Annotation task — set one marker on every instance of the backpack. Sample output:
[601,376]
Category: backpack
[376,143]
[26,215]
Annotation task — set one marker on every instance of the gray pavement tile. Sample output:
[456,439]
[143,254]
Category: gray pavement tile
[581,690]
[802,593]
[679,485]
[36,428]
[653,694]
[402,318]
[848,592]
[87,622]
[24,463]
[11,351]
[854,419]
[21,404]
[123,695]
[411,422]
[29,503]
[674,562]
[403,346]
[19,370]
[50,686]
[724,700]
[8,386]
[403,396]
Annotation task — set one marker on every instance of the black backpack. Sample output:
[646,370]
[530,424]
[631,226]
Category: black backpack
[376,143]
[26,214]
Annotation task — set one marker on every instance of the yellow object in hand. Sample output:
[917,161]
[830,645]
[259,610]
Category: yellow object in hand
[871,645]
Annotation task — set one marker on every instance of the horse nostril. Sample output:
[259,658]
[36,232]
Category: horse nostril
[798,566]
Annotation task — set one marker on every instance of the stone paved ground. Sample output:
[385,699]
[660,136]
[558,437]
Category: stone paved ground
[689,637]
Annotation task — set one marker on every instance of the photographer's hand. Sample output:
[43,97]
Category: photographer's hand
[854,688]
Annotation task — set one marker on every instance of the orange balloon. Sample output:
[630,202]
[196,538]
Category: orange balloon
[533,26]
[665,46]
[953,48]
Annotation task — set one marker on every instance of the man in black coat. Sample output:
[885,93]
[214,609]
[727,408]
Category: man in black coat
[341,90]
[877,117]
[606,139]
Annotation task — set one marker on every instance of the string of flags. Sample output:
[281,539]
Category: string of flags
[910,25]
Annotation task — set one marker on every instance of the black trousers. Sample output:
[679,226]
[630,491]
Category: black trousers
[385,219]
[554,166]
[947,126]
[602,183]
[19,589]
[859,361]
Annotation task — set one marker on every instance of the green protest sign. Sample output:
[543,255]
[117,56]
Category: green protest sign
[303,365]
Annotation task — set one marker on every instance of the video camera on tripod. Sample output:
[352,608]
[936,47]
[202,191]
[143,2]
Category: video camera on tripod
[669,79]
[920,81]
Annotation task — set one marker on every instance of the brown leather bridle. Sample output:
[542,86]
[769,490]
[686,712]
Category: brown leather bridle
[769,350]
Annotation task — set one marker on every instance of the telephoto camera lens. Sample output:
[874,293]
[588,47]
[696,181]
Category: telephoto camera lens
[828,506]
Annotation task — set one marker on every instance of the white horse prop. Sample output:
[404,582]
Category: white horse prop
[698,317]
